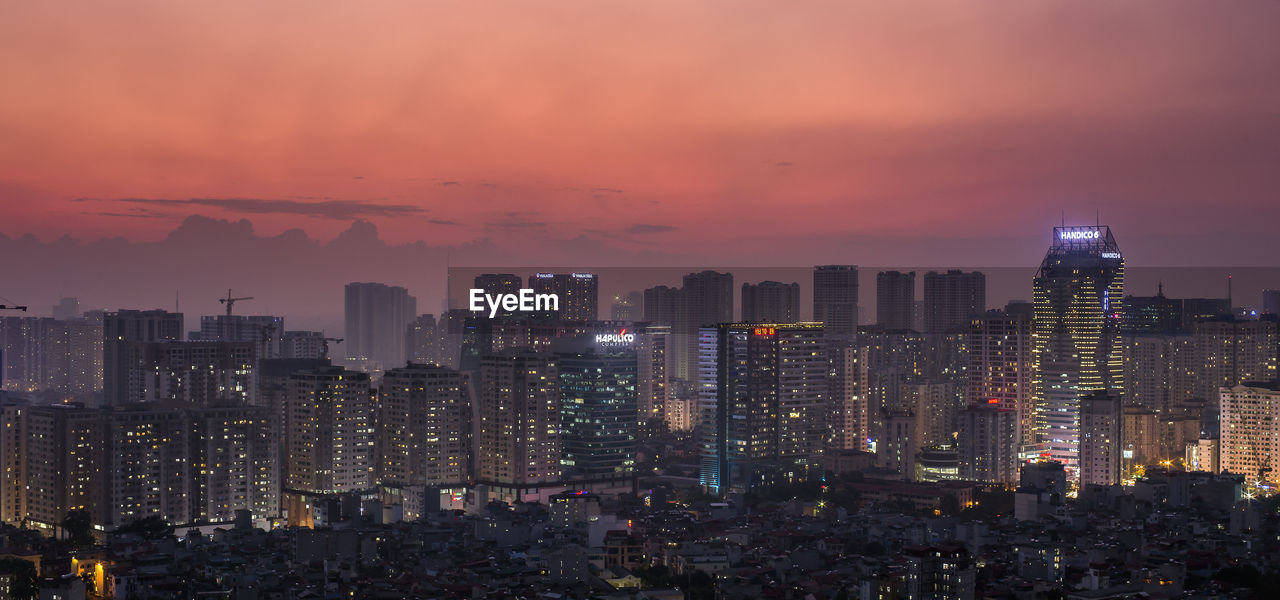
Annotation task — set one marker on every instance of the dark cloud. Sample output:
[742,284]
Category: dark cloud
[450,183]
[607,189]
[444,222]
[133,215]
[516,221]
[649,228]
[782,164]
[328,209]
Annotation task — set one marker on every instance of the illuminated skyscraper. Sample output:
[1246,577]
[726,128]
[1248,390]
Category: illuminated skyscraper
[1076,342]
[652,380]
[579,293]
[987,442]
[329,424]
[835,299]
[424,427]
[999,347]
[1250,443]
[848,424]
[517,426]
[598,417]
[1101,439]
[762,401]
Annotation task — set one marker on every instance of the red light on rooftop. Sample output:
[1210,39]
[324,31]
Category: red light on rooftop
[993,401]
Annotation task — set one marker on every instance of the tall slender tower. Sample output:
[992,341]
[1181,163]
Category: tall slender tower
[1076,343]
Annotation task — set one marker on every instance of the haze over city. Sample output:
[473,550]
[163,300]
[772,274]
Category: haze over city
[695,300]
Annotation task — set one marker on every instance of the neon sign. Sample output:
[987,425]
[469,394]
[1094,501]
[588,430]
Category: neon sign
[622,338]
[765,331]
[1091,234]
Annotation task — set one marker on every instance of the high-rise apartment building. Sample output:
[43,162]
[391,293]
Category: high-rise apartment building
[1230,352]
[329,430]
[517,422]
[59,465]
[895,300]
[424,427]
[762,400]
[202,373]
[706,300]
[770,302]
[123,327]
[652,380]
[1250,431]
[579,293]
[1101,438]
[266,333]
[377,316]
[1076,343]
[848,423]
[189,464]
[987,442]
[663,305]
[835,299]
[999,347]
[951,299]
[49,355]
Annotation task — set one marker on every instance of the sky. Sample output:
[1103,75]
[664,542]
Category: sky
[742,132]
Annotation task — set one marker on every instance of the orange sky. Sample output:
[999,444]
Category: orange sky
[673,125]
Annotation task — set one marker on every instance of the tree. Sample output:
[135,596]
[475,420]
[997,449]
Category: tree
[24,583]
[151,528]
[79,527]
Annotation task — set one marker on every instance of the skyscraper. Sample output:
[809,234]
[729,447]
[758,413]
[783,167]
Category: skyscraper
[1101,446]
[627,307]
[517,426]
[266,333]
[652,379]
[762,400]
[424,427]
[895,300]
[598,416]
[125,326]
[329,435]
[835,299]
[663,305]
[579,293]
[706,299]
[1230,352]
[848,425]
[987,442]
[204,373]
[999,345]
[376,318]
[1076,343]
[951,298]
[770,302]
[1250,442]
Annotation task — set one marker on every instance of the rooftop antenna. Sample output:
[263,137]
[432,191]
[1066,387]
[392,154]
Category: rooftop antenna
[1160,289]
[1064,217]
[1097,217]
[1230,308]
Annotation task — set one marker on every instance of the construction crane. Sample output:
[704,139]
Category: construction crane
[229,301]
[7,307]
[326,344]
